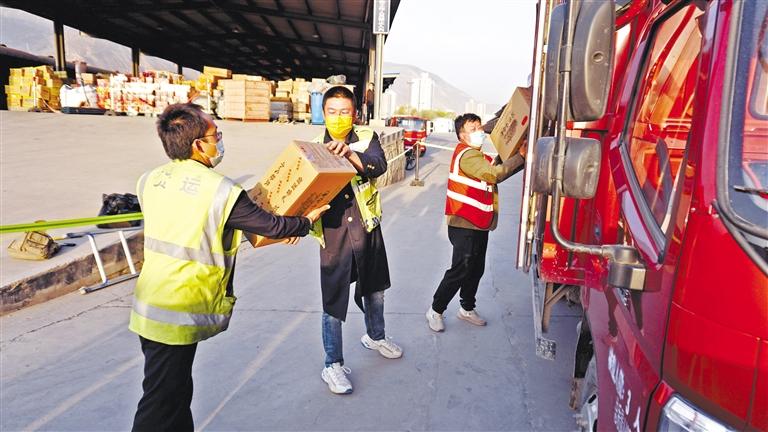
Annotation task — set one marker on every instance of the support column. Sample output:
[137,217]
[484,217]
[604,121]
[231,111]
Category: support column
[58,35]
[378,84]
[135,57]
[371,62]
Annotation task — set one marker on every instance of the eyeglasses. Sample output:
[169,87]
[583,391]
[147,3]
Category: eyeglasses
[217,135]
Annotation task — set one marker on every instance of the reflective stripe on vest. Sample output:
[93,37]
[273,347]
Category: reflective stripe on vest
[188,254]
[179,318]
[467,197]
[180,296]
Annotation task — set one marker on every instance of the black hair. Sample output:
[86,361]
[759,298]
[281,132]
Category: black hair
[339,92]
[463,119]
[178,126]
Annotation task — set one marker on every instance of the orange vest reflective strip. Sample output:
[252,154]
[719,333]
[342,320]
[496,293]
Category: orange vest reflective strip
[467,197]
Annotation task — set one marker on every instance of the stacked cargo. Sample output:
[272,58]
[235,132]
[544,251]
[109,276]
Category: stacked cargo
[148,94]
[33,87]
[245,99]
[300,99]
[284,89]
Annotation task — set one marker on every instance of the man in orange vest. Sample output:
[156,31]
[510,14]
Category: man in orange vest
[471,208]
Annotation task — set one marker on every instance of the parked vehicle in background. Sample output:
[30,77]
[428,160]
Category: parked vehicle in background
[415,130]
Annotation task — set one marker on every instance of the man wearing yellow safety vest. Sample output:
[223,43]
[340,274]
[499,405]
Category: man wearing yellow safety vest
[354,247]
[472,210]
[193,223]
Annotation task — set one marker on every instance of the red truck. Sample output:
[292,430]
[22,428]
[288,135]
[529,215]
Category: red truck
[646,195]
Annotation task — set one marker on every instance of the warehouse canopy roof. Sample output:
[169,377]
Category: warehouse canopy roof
[274,38]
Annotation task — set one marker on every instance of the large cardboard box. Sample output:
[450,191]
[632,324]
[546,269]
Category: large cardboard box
[305,176]
[511,129]
[217,72]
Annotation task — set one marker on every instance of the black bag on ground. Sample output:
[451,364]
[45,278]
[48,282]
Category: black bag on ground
[114,204]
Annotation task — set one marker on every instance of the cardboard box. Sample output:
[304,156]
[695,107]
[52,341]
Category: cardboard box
[511,130]
[305,176]
[217,72]
[244,77]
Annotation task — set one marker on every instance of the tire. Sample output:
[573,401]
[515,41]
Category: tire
[410,162]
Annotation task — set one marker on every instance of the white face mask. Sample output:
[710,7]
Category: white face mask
[219,153]
[476,138]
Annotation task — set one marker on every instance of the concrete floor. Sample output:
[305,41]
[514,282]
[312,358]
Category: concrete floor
[57,166]
[71,363]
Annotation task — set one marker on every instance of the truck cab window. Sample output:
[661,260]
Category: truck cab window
[657,132]
[747,155]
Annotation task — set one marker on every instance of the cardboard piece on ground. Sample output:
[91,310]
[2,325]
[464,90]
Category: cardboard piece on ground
[510,130]
[305,176]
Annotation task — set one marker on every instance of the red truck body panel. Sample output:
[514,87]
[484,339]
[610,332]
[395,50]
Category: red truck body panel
[699,329]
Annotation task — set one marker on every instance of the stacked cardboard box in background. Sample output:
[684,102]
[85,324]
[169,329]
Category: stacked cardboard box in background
[284,89]
[245,100]
[210,77]
[33,87]
[300,98]
[149,93]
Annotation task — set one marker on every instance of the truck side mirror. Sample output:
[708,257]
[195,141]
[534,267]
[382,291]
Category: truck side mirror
[581,170]
[582,167]
[592,59]
[552,69]
[542,169]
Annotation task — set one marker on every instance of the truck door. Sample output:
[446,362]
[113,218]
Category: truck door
[650,153]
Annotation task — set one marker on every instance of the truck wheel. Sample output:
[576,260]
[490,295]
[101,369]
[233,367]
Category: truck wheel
[588,415]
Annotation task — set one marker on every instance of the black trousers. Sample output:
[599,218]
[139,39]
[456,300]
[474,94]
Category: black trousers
[167,384]
[467,267]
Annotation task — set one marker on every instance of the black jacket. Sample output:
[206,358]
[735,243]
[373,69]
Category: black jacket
[352,254]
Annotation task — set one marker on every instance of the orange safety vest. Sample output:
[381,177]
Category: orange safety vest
[468,197]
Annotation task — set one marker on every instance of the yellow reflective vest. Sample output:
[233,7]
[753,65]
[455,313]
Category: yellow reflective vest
[366,194]
[180,296]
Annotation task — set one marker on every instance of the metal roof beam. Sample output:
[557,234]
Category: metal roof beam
[264,38]
[256,10]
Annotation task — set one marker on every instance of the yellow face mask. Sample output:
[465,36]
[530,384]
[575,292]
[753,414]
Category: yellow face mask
[338,126]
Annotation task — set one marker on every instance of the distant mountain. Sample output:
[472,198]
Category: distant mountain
[34,34]
[446,95]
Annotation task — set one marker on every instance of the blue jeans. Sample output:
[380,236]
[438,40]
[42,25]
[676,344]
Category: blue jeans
[374,326]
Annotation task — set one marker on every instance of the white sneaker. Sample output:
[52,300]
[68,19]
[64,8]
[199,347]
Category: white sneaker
[335,376]
[435,320]
[471,317]
[385,347]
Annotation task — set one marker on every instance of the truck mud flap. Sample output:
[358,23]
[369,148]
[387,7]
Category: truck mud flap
[545,348]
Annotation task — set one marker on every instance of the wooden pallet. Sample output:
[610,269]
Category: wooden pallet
[247,120]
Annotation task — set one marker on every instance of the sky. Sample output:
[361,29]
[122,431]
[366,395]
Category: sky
[483,47]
